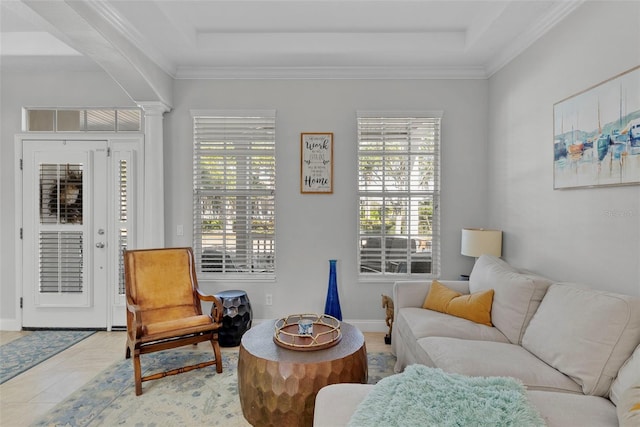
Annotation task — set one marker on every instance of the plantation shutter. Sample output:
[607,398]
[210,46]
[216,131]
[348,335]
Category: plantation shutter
[61,231]
[398,191]
[234,192]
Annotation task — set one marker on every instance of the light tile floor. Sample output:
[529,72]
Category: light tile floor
[28,396]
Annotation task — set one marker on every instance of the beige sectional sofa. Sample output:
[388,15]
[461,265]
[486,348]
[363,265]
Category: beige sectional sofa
[571,346]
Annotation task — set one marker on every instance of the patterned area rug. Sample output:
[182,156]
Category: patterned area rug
[196,398]
[24,353]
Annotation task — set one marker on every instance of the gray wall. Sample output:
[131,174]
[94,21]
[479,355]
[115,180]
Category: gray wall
[497,166]
[311,229]
[584,235]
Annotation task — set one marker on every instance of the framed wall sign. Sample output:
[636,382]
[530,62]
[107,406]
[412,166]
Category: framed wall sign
[316,163]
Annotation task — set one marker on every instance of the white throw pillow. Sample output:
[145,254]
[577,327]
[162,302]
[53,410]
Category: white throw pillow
[628,375]
[516,295]
[585,334]
[629,408]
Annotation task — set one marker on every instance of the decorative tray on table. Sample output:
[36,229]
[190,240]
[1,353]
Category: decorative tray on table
[324,332]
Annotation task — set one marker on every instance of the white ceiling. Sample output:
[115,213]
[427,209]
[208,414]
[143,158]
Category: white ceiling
[285,38]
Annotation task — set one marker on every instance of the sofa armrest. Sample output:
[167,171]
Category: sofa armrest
[336,403]
[411,293]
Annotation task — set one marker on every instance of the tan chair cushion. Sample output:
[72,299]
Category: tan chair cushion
[161,267]
[168,313]
[176,324]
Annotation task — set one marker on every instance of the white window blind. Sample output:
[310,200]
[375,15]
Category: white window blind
[399,191]
[234,193]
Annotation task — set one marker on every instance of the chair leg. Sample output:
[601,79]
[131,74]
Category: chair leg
[216,352]
[137,372]
[127,353]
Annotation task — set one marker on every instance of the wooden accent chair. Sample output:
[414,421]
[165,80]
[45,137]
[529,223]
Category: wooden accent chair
[164,308]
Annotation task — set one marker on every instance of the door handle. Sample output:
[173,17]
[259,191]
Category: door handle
[100,245]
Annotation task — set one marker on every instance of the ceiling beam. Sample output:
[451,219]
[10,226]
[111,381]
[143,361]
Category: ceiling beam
[86,28]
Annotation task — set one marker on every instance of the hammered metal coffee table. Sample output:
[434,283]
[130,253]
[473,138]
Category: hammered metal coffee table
[278,386]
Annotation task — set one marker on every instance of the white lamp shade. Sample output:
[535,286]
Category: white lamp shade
[479,241]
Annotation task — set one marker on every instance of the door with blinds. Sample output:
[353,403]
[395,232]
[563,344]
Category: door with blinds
[76,223]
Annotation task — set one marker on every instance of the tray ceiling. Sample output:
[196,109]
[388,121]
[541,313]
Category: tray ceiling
[278,39]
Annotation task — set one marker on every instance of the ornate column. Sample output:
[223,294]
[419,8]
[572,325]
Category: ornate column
[153,206]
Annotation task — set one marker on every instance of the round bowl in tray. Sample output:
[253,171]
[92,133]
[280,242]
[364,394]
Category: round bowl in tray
[326,332]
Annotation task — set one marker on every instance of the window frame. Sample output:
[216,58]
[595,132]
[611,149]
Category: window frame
[374,276]
[114,125]
[228,193]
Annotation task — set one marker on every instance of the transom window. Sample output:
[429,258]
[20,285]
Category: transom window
[82,120]
[399,192]
[234,193]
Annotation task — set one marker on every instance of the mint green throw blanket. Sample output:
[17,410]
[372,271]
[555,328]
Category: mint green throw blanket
[423,396]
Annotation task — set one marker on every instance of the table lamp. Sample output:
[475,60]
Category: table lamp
[478,241]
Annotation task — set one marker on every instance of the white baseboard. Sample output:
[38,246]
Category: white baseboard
[10,325]
[369,325]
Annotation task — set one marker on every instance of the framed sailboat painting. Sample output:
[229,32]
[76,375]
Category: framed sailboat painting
[597,135]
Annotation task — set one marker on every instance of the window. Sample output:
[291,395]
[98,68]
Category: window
[234,193]
[83,120]
[398,192]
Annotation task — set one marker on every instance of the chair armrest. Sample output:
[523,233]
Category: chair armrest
[216,308]
[136,322]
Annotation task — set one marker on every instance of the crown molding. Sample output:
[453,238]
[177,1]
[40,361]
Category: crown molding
[330,73]
[556,14]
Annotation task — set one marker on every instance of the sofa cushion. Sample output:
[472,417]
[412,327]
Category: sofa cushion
[569,410]
[431,397]
[336,403]
[584,333]
[629,407]
[412,323]
[485,358]
[628,376]
[475,307]
[517,294]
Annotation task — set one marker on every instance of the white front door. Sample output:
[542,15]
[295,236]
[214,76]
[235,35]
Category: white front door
[77,220]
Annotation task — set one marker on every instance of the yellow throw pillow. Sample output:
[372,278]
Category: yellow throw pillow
[475,307]
[439,297]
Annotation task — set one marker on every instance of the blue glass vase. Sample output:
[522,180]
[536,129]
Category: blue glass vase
[332,306]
